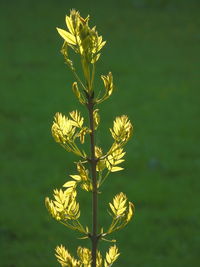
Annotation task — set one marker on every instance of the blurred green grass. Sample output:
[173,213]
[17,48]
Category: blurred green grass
[153,51]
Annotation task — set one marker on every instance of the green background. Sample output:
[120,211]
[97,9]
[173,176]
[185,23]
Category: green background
[153,51]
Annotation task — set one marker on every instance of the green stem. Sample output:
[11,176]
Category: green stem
[78,79]
[93,74]
[81,227]
[104,178]
[112,226]
[69,226]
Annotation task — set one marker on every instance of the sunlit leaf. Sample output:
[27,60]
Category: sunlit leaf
[68,37]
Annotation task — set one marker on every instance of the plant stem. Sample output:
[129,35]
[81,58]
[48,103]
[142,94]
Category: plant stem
[93,162]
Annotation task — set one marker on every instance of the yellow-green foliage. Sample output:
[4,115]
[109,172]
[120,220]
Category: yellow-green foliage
[92,170]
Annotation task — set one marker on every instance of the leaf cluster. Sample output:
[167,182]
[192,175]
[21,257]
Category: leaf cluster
[85,257]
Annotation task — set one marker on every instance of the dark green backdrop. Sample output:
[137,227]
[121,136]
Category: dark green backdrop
[153,51]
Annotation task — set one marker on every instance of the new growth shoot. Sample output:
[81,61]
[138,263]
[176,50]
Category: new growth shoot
[93,169]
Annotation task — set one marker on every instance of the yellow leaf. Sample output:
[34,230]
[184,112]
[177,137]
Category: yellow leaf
[78,93]
[108,258]
[130,211]
[69,24]
[116,169]
[68,37]
[111,256]
[77,120]
[69,184]
[101,45]
[121,211]
[112,208]
[122,129]
[69,190]
[95,58]
[76,177]
[96,118]
[119,161]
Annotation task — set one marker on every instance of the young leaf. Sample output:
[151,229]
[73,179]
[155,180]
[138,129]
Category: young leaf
[68,37]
